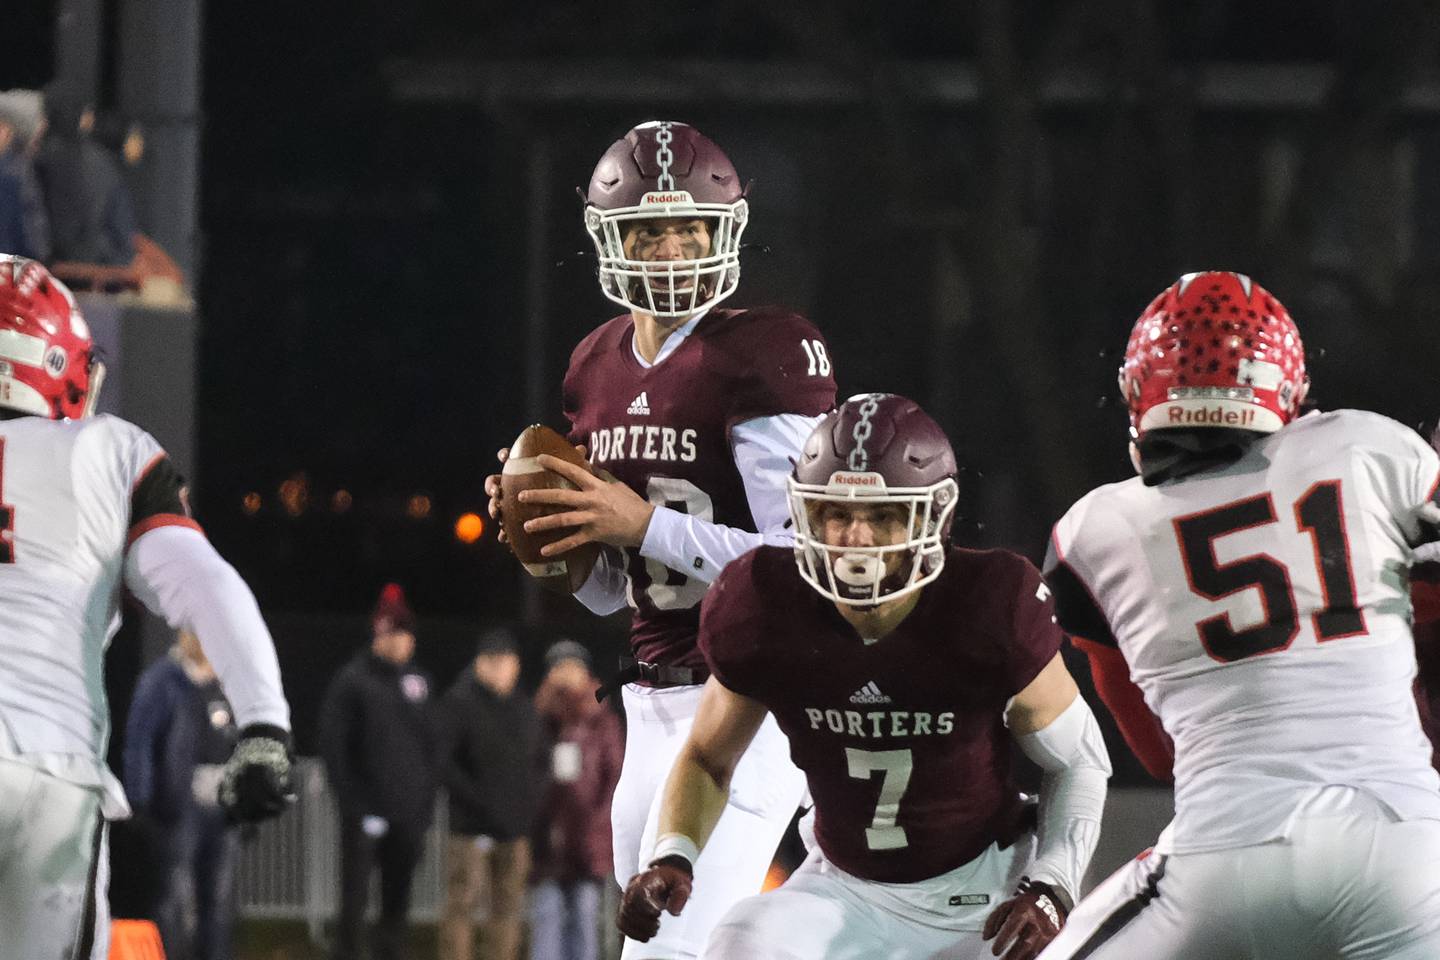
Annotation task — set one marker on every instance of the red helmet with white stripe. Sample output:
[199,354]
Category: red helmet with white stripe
[1214,349]
[47,357]
[665,169]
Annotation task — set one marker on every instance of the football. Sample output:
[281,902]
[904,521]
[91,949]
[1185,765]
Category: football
[567,572]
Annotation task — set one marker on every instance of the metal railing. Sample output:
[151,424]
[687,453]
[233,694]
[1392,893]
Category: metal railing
[290,869]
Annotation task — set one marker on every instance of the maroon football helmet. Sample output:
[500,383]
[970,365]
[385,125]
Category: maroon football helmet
[1214,349]
[47,357]
[878,448]
[670,170]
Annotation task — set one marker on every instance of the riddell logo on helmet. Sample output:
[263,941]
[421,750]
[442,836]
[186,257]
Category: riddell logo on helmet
[843,479]
[1210,417]
[668,196]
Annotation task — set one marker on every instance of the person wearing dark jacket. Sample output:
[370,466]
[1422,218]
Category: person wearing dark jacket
[24,223]
[178,736]
[493,761]
[92,215]
[377,739]
[572,834]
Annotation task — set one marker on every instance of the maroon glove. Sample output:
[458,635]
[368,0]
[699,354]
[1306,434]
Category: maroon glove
[1026,922]
[664,886]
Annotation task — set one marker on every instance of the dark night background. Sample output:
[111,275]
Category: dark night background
[972,200]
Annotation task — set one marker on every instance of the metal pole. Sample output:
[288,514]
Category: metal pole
[159,85]
[78,25]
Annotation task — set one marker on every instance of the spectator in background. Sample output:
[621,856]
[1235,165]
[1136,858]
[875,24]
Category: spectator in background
[158,276]
[572,835]
[379,749]
[179,733]
[493,760]
[24,224]
[92,216]
[125,139]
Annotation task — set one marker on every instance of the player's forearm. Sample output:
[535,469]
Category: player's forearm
[698,548]
[1071,753]
[1138,725]
[176,573]
[695,796]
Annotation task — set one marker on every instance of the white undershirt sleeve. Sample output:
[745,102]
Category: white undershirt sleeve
[1071,753]
[604,590]
[178,575]
[764,450]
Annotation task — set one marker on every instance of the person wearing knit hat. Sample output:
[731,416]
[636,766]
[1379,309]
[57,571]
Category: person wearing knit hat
[497,640]
[376,735]
[572,838]
[567,649]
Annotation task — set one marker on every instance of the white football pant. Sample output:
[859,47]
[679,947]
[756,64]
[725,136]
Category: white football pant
[764,795]
[824,913]
[1349,883]
[50,831]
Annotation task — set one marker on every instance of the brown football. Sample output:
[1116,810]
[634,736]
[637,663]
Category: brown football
[567,572]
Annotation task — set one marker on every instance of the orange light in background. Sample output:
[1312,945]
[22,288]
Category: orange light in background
[295,494]
[418,507]
[251,503]
[469,527]
[341,501]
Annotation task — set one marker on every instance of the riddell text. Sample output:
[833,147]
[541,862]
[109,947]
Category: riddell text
[1214,416]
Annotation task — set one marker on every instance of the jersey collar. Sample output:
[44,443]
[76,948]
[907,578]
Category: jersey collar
[671,343]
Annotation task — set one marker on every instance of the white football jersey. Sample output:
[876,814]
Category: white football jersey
[66,490]
[1264,611]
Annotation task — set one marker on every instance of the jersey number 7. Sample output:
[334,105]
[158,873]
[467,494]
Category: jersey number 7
[1319,514]
[7,516]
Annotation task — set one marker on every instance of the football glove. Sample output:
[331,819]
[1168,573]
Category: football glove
[1024,924]
[664,886]
[256,785]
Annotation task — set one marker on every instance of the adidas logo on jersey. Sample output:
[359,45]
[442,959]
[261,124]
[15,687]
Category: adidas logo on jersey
[640,406]
[869,694]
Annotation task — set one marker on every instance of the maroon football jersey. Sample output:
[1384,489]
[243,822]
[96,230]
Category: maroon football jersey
[665,431]
[903,740]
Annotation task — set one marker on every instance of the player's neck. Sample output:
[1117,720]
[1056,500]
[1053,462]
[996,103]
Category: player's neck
[651,332]
[875,622]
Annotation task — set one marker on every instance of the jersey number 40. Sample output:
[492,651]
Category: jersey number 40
[1318,515]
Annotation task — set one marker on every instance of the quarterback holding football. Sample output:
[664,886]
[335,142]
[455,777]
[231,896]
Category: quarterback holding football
[691,413]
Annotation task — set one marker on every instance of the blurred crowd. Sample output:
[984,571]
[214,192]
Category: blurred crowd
[527,779]
[69,179]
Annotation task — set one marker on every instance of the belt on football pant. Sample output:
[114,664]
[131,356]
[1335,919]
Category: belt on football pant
[651,674]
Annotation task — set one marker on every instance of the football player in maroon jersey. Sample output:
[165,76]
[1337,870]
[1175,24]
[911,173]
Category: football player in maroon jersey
[696,412]
[900,668]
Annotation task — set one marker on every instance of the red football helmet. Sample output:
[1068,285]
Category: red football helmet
[876,448]
[666,169]
[47,358]
[1214,350]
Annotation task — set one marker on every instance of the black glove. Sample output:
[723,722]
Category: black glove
[256,785]
[1027,921]
[664,886]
